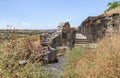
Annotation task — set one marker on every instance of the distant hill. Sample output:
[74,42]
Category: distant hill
[26,31]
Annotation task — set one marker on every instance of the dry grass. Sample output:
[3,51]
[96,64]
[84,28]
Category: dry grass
[115,10]
[103,62]
[26,45]
[14,49]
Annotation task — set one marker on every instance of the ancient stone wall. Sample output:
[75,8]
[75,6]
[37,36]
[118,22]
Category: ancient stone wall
[64,35]
[94,28]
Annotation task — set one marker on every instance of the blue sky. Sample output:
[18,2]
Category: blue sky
[47,14]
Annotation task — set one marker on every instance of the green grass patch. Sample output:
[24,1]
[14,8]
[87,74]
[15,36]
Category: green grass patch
[72,60]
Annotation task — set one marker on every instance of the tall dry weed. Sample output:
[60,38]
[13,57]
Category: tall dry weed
[104,61]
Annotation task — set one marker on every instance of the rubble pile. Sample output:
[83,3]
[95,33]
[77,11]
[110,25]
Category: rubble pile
[63,36]
[45,51]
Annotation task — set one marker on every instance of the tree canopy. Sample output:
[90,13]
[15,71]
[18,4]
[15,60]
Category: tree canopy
[112,5]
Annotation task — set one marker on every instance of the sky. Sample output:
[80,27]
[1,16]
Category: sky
[47,14]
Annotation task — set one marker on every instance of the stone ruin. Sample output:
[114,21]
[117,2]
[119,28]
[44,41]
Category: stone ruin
[49,48]
[95,28]
[63,36]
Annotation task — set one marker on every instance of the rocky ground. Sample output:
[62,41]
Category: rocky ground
[56,68]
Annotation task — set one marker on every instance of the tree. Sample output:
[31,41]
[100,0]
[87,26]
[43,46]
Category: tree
[112,5]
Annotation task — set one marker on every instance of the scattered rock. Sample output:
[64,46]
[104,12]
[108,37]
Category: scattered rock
[22,62]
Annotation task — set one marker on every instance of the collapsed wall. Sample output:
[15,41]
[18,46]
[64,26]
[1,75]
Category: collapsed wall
[64,35]
[94,28]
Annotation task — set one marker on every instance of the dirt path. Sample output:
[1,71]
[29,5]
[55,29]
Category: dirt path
[56,68]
